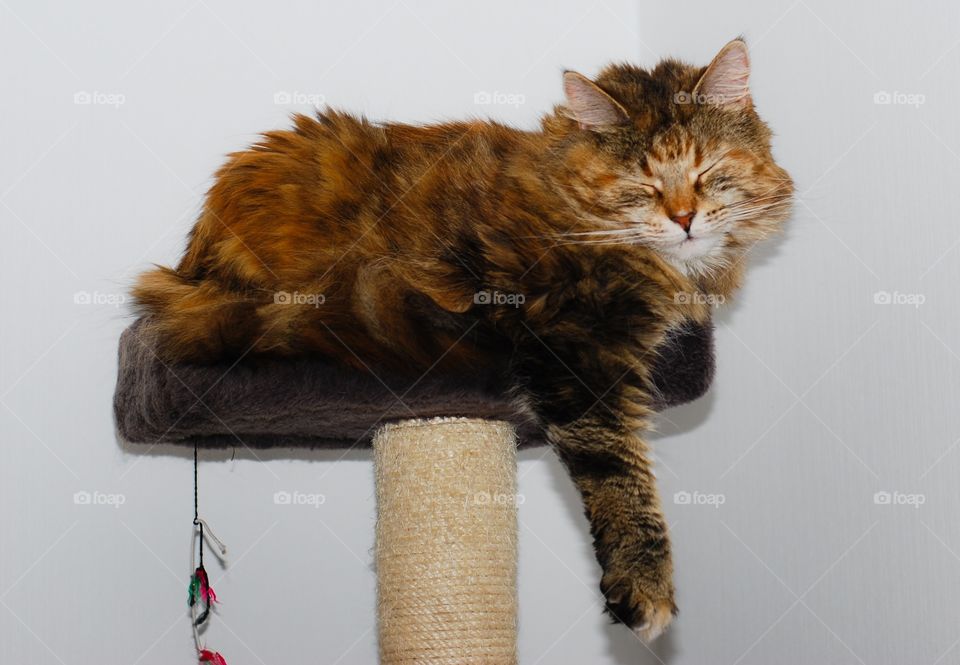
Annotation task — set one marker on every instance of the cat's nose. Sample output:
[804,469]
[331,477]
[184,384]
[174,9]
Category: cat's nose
[684,219]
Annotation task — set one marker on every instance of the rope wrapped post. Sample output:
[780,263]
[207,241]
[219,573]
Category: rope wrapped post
[446,542]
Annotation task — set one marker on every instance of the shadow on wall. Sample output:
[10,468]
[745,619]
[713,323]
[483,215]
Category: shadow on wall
[185,451]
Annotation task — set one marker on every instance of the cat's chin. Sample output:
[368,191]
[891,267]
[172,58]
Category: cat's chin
[693,256]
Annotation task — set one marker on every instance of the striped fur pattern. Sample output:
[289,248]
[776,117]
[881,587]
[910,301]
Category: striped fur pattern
[558,257]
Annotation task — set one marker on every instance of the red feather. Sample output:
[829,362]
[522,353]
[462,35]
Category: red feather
[206,591]
[207,656]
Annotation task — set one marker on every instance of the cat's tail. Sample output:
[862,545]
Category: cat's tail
[194,320]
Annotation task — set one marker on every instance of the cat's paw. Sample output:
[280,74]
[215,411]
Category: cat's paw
[659,615]
[646,608]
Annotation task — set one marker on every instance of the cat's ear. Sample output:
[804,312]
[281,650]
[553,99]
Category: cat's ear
[590,106]
[726,83]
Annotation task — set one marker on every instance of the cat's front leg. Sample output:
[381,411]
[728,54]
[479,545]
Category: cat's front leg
[611,467]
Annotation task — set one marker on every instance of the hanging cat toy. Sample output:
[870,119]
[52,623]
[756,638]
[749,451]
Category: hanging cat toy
[200,595]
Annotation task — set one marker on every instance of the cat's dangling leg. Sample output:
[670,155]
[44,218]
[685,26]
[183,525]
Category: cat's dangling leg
[611,467]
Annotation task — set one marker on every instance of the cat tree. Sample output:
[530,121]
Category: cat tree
[444,462]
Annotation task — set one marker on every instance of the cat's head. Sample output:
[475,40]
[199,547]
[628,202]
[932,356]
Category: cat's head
[676,159]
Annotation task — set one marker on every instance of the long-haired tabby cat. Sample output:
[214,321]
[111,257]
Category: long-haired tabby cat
[368,244]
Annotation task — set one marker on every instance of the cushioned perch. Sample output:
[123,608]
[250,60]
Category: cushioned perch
[268,403]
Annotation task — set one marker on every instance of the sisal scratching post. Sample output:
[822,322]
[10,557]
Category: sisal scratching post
[446,541]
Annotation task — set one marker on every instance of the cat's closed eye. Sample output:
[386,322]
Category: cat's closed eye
[709,168]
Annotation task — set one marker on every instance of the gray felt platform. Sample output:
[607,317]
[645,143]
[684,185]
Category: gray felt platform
[272,402]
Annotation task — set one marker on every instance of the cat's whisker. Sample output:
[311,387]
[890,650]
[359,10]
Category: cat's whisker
[755,207]
[624,239]
[602,232]
[765,197]
[759,199]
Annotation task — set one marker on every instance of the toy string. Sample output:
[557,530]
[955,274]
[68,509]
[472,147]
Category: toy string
[196,502]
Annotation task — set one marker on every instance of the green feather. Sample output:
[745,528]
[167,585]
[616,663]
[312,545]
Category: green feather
[193,590]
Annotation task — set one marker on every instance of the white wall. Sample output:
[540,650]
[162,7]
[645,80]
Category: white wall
[823,397]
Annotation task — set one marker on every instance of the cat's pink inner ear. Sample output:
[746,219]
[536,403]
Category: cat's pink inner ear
[727,80]
[592,107]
